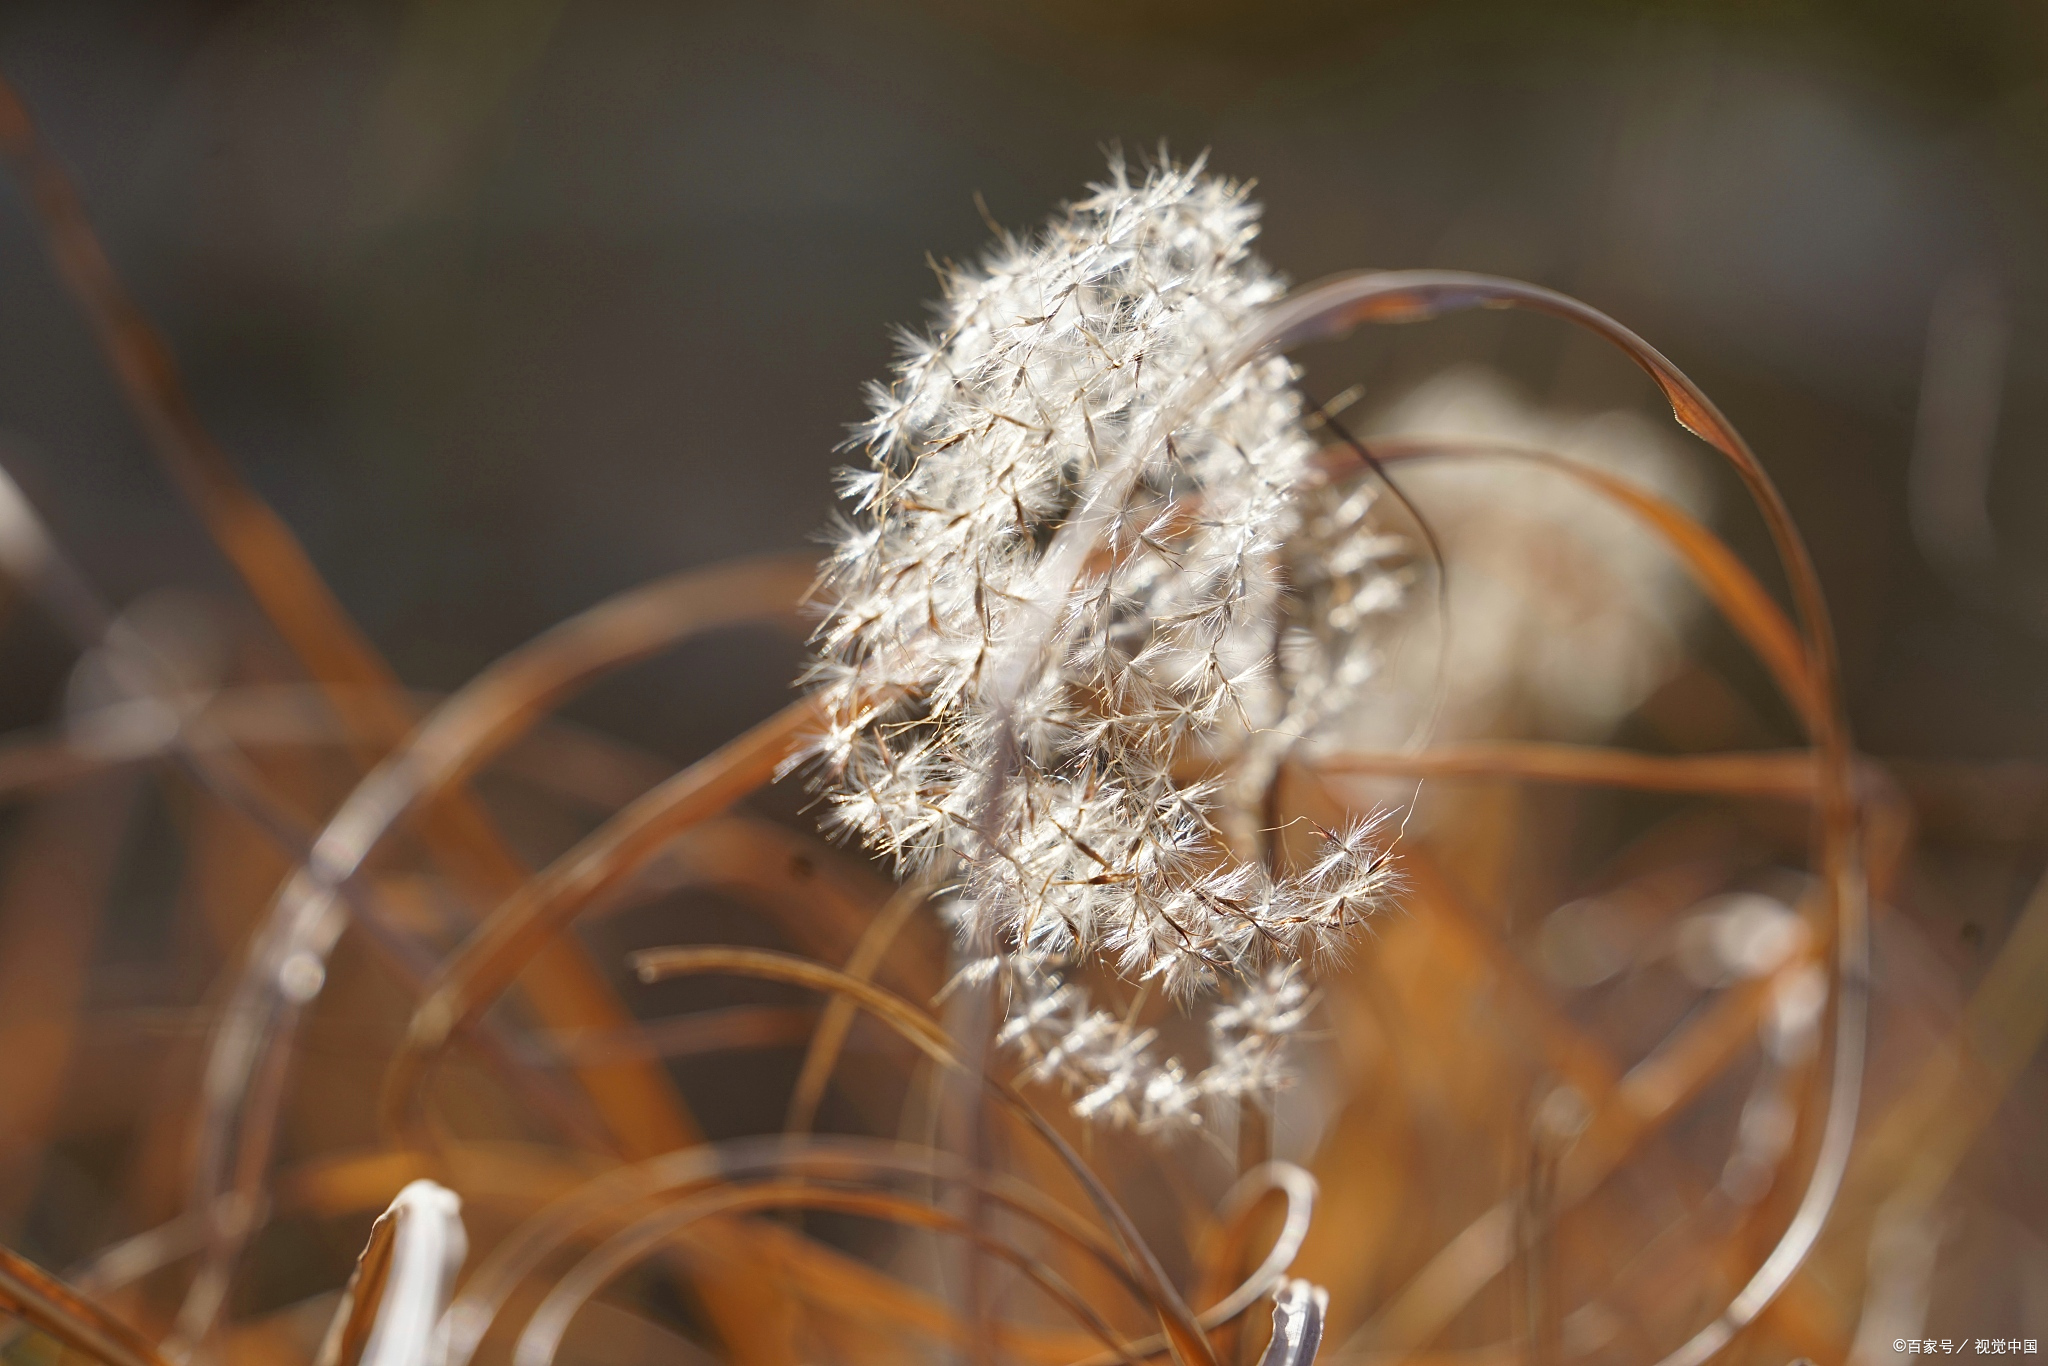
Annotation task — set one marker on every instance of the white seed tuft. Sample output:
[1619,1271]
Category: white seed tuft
[1180,650]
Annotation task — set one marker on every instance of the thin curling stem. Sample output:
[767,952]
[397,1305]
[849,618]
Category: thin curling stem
[1335,307]
[925,1033]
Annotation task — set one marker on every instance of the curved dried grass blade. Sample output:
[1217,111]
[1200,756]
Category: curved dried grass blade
[1788,774]
[1334,307]
[822,901]
[511,695]
[1628,1111]
[1915,1147]
[505,943]
[854,1291]
[62,862]
[543,1334]
[1733,590]
[280,576]
[1299,1188]
[636,1098]
[617,1195]
[822,1054]
[920,1029]
[46,1303]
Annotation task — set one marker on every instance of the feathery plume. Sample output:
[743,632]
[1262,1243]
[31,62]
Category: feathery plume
[1067,807]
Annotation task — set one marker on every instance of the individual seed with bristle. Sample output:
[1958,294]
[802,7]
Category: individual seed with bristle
[1059,801]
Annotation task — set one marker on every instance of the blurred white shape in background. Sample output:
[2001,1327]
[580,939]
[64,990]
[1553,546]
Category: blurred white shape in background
[1585,942]
[161,659]
[1735,937]
[1564,611]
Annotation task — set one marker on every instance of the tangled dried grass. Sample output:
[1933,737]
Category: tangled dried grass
[1080,649]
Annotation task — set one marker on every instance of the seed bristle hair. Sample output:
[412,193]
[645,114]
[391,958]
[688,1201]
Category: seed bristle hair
[1077,835]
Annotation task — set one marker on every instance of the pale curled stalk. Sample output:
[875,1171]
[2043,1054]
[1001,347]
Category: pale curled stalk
[1299,1309]
[391,1310]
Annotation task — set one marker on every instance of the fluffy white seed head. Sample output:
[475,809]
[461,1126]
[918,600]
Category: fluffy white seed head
[1181,648]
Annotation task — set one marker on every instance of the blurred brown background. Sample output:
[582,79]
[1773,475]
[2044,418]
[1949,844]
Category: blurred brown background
[511,304]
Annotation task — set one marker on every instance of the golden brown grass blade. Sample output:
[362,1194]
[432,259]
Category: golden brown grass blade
[1338,305]
[1624,1120]
[63,860]
[47,1304]
[504,944]
[1628,1111]
[1724,579]
[266,719]
[1627,1116]
[1785,774]
[633,1094]
[924,1032]
[616,1197]
[502,703]
[512,695]
[1915,1147]
[856,1291]
[1243,1213]
[360,1298]
[1472,951]
[823,1053]
[821,901]
[538,1343]
[620,1195]
[258,544]
[634,1098]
